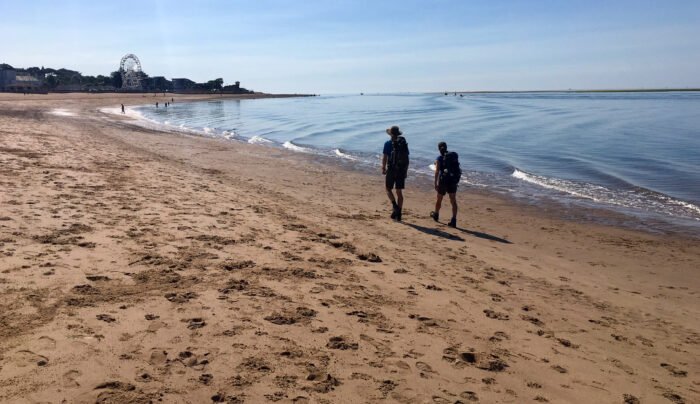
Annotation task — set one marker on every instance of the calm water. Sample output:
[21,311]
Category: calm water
[636,152]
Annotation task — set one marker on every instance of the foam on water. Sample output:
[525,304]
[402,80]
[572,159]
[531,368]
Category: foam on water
[346,156]
[291,146]
[145,122]
[259,140]
[638,198]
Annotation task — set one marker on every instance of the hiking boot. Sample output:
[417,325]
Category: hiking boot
[398,216]
[453,222]
[435,215]
[396,210]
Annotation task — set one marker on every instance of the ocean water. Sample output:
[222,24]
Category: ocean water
[638,153]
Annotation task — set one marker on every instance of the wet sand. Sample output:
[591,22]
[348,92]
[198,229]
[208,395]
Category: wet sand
[138,265]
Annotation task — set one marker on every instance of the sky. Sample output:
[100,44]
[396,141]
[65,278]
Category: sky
[332,46]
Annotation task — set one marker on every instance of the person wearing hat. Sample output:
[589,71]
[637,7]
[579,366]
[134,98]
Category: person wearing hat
[395,167]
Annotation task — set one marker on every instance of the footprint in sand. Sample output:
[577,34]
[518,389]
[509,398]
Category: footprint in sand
[674,370]
[194,323]
[106,318]
[559,369]
[425,369]
[341,343]
[496,315]
[46,343]
[69,379]
[630,399]
[26,358]
[206,379]
[469,396]
[158,357]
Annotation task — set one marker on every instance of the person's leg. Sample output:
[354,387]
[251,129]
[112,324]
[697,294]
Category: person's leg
[438,203]
[390,195]
[453,201]
[389,182]
[399,198]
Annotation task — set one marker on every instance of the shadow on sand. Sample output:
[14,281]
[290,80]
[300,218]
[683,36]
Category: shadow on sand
[433,232]
[438,233]
[484,236]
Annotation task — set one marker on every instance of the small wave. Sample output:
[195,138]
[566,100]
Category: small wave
[291,146]
[638,199]
[552,183]
[145,122]
[340,154]
[432,167]
[259,140]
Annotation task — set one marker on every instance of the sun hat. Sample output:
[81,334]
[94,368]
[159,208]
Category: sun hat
[394,131]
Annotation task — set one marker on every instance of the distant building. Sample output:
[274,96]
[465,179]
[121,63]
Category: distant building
[236,89]
[11,80]
[183,84]
[158,83]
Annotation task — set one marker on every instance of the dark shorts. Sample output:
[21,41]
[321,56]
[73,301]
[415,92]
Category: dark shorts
[395,179]
[447,187]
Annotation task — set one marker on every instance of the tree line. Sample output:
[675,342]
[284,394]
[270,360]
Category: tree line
[53,78]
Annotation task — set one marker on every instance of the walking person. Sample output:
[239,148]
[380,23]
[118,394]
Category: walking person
[123,109]
[447,175]
[395,167]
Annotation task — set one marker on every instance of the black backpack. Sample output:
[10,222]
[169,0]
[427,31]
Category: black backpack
[450,170]
[399,154]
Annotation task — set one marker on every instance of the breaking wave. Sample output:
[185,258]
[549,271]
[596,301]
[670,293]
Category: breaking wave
[636,198]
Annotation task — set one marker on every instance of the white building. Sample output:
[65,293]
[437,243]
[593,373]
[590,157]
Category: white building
[11,81]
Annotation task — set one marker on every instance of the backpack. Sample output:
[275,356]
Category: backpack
[399,154]
[450,170]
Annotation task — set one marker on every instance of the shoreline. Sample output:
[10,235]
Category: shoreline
[136,265]
[583,210]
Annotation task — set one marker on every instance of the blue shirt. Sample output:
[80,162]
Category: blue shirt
[388,148]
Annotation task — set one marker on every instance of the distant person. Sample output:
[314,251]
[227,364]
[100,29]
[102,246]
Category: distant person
[156,105]
[395,167]
[123,109]
[447,175]
[172,100]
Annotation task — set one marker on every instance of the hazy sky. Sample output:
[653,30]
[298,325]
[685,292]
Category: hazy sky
[371,46]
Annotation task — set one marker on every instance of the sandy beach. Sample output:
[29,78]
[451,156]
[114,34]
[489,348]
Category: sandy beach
[141,266]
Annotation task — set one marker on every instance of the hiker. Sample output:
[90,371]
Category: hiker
[156,105]
[447,175]
[122,108]
[395,167]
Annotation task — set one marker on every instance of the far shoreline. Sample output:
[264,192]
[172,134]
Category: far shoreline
[631,90]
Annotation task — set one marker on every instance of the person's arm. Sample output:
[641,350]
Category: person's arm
[384,164]
[437,173]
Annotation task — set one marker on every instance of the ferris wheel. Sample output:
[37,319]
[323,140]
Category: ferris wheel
[130,67]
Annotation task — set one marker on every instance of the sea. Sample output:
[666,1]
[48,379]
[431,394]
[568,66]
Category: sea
[636,154]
